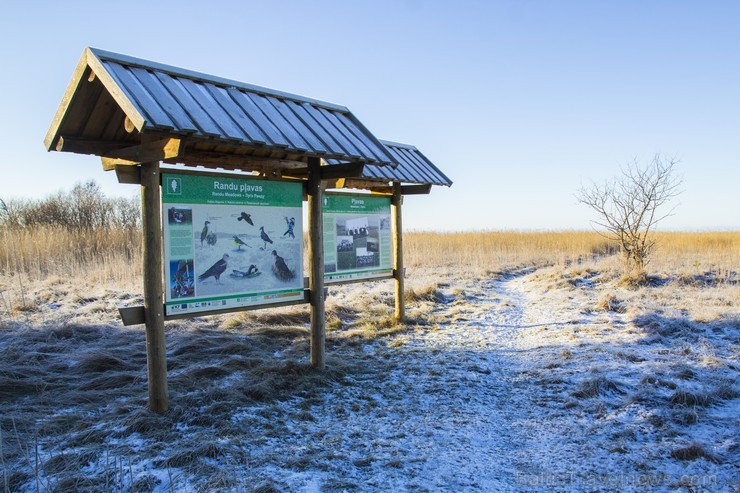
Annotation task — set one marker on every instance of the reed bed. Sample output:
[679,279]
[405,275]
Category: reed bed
[715,253]
[114,254]
[101,255]
[475,253]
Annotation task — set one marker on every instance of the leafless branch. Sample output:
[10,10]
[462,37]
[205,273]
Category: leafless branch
[627,206]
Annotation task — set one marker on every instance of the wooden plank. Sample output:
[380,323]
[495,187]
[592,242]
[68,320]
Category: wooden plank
[396,202]
[96,120]
[255,113]
[265,104]
[365,184]
[80,73]
[130,175]
[214,159]
[132,315]
[331,172]
[316,264]
[251,130]
[416,189]
[83,146]
[381,190]
[156,353]
[205,124]
[229,128]
[178,115]
[157,150]
[355,281]
[114,88]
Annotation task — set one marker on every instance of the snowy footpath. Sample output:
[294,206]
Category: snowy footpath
[483,402]
[437,410]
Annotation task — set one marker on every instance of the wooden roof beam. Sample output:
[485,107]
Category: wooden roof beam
[82,146]
[383,187]
[158,150]
[416,189]
[192,157]
[330,172]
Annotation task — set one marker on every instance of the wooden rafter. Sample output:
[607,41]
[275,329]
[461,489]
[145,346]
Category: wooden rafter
[158,150]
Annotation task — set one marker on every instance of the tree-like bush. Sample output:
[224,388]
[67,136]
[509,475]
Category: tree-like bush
[628,206]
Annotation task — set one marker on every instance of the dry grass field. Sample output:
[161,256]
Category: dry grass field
[525,355]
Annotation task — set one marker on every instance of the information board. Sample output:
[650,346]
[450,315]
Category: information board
[230,242]
[357,237]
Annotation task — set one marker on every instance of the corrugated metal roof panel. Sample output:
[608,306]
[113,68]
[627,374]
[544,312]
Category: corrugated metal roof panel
[167,99]
[413,167]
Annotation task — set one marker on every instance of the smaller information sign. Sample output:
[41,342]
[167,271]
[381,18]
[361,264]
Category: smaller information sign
[230,242]
[357,237]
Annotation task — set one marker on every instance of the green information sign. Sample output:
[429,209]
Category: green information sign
[357,237]
[230,242]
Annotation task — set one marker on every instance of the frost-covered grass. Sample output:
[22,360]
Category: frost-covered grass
[565,377]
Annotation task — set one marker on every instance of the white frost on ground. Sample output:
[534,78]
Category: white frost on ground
[485,403]
[520,386]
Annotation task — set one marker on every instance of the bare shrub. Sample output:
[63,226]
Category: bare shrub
[628,206]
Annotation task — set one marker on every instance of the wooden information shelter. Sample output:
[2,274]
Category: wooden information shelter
[136,115]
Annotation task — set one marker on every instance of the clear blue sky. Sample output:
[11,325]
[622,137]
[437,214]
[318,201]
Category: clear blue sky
[517,101]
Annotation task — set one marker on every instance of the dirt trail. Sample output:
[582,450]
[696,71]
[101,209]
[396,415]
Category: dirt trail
[440,413]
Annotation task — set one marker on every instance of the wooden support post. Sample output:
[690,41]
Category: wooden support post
[156,351]
[396,202]
[316,267]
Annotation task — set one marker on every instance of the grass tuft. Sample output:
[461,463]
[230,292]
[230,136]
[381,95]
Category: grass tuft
[690,399]
[595,387]
[610,303]
[692,452]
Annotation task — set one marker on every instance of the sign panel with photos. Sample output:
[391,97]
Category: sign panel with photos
[357,237]
[230,242]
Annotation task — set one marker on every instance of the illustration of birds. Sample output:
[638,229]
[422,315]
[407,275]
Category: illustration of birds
[280,268]
[291,224]
[252,271]
[264,237]
[204,233]
[239,242]
[216,269]
[245,217]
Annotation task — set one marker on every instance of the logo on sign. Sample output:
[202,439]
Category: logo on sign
[174,186]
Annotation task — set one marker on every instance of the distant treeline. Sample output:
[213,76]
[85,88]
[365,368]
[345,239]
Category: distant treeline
[85,207]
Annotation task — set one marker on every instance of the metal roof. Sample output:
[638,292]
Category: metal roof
[211,114]
[413,167]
